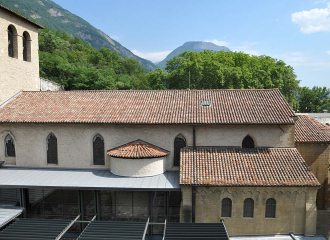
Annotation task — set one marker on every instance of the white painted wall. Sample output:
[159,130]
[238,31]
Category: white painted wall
[137,167]
[75,141]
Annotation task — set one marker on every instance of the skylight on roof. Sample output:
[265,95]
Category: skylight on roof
[205,103]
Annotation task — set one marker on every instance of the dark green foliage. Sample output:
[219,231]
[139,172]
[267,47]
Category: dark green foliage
[77,65]
[314,100]
[227,70]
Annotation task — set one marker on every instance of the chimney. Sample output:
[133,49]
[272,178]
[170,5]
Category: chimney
[325,111]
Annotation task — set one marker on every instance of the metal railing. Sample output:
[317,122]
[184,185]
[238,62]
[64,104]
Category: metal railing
[164,229]
[146,229]
[67,228]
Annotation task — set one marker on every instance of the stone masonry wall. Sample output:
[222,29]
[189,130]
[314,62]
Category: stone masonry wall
[295,209]
[317,156]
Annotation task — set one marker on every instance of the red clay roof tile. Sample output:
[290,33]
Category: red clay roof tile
[221,166]
[308,129]
[150,107]
[137,149]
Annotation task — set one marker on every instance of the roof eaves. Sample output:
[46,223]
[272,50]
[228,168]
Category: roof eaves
[22,17]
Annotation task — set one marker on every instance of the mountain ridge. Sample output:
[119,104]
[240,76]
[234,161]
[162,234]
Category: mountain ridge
[193,46]
[52,15]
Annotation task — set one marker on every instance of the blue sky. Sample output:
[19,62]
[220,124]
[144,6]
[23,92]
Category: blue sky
[296,31]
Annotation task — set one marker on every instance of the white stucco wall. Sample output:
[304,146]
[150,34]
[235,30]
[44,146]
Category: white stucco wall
[75,141]
[137,167]
[16,74]
[47,85]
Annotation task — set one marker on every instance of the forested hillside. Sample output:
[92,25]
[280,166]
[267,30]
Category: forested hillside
[50,14]
[77,65]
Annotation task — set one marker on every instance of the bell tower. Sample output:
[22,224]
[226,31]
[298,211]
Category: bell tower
[19,58]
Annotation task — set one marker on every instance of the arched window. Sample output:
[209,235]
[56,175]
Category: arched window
[12,41]
[270,208]
[226,205]
[248,142]
[52,149]
[26,47]
[179,142]
[248,208]
[98,150]
[10,146]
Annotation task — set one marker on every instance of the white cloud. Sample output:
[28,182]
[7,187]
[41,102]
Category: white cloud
[315,20]
[152,56]
[322,1]
[296,58]
[327,52]
[217,42]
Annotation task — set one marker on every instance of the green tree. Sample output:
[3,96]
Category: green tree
[313,100]
[228,70]
[77,65]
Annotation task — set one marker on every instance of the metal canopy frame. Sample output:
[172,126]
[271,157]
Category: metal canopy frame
[195,231]
[111,230]
[35,229]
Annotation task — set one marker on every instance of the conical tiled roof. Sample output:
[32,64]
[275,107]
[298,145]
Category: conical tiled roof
[137,149]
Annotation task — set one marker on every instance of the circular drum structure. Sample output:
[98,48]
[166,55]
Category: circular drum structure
[137,159]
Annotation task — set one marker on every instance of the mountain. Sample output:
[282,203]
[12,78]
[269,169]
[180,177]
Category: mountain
[50,14]
[194,46]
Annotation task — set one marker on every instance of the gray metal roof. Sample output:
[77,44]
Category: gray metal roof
[320,115]
[98,230]
[34,229]
[8,212]
[20,177]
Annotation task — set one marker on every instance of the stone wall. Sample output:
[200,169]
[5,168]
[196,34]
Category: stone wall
[75,141]
[317,156]
[16,74]
[295,209]
[323,223]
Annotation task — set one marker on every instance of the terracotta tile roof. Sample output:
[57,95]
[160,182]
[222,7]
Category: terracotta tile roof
[308,129]
[221,166]
[137,149]
[150,107]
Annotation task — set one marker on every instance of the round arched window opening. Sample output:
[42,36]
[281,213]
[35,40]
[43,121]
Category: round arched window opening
[26,47]
[12,41]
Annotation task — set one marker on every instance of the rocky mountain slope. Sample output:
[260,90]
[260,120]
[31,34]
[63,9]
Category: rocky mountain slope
[196,46]
[50,14]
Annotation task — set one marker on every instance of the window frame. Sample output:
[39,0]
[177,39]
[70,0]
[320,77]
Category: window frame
[230,205]
[176,152]
[103,150]
[250,206]
[27,48]
[49,160]
[272,207]
[13,142]
[13,50]
[248,144]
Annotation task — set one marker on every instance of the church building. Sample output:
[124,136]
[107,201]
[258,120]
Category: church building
[147,156]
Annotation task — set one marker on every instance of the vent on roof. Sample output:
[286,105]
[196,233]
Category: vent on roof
[205,103]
